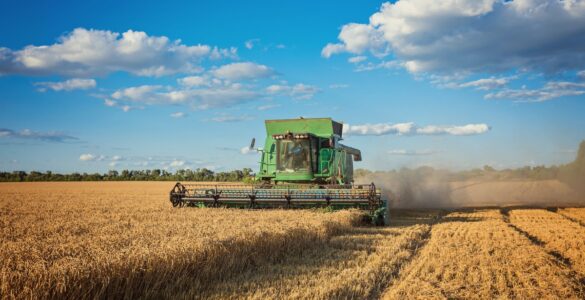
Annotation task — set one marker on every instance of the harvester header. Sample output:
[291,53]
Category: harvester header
[302,164]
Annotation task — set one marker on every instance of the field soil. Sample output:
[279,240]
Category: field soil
[124,240]
[541,193]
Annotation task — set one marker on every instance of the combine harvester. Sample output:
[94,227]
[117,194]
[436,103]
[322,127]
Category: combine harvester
[303,165]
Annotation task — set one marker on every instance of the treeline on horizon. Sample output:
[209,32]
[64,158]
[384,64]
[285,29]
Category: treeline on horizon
[202,174]
[572,173]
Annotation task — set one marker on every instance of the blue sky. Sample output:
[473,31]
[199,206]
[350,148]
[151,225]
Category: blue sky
[98,85]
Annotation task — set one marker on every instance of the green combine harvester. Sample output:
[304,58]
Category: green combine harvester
[303,165]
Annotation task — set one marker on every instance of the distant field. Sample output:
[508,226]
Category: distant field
[513,192]
[123,239]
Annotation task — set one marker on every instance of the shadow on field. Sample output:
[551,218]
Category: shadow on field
[344,249]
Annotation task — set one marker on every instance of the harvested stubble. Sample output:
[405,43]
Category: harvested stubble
[358,264]
[475,255]
[575,214]
[87,240]
[558,234]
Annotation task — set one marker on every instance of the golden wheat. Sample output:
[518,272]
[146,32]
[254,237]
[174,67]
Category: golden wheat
[124,240]
[476,255]
[357,264]
[86,240]
[558,234]
[575,214]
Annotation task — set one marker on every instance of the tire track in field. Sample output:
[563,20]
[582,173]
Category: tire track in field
[557,257]
[416,248]
[556,210]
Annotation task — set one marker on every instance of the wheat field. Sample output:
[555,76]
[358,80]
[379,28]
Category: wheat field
[79,240]
[124,240]
[558,234]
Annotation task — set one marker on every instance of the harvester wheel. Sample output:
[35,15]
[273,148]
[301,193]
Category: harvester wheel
[177,201]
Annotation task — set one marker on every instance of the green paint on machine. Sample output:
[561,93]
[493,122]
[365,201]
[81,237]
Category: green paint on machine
[306,151]
[303,165]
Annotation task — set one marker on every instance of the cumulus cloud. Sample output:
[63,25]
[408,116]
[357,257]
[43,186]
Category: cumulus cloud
[197,98]
[49,136]
[298,91]
[412,129]
[88,52]
[472,35]
[67,85]
[92,157]
[378,129]
[194,81]
[357,38]
[242,71]
[87,157]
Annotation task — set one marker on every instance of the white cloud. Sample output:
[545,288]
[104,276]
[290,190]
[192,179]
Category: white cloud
[298,91]
[357,38]
[110,102]
[549,91]
[392,64]
[469,129]
[357,59]
[485,84]
[87,157]
[197,98]
[378,129]
[49,136]
[250,43]
[178,115]
[472,35]
[137,93]
[194,81]
[67,85]
[242,71]
[84,52]
[412,129]
[412,152]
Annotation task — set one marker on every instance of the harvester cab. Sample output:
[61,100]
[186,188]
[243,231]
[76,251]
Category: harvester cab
[306,151]
[303,165]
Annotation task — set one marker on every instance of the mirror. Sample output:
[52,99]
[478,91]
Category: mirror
[253,143]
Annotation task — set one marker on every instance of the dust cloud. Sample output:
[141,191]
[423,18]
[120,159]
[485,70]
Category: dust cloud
[425,187]
[420,188]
